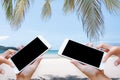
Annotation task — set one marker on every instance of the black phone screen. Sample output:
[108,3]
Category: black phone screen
[29,53]
[83,53]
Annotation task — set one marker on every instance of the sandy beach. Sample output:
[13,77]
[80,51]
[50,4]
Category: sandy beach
[53,67]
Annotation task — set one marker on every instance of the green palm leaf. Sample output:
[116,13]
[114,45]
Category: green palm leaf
[113,6]
[46,10]
[19,12]
[92,18]
[88,10]
[68,6]
[7,5]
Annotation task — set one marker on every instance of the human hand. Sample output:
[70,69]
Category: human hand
[91,72]
[27,73]
[4,58]
[111,50]
[8,53]
[20,47]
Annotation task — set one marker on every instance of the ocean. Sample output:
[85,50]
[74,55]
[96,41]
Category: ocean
[1,51]
[56,51]
[52,52]
[48,52]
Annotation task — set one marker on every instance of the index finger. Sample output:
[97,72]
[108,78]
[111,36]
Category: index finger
[104,46]
[8,52]
[3,60]
[89,44]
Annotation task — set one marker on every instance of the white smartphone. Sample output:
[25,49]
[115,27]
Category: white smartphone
[27,55]
[82,53]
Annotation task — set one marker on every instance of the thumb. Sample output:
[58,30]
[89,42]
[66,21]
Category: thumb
[108,55]
[36,63]
[78,65]
[117,62]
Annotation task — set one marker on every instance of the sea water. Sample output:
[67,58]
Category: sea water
[1,51]
[52,52]
[48,52]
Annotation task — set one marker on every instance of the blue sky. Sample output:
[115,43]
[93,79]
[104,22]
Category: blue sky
[56,29]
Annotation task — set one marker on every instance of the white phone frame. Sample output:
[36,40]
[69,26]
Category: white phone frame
[44,41]
[63,46]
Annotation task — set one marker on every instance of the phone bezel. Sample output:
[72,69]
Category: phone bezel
[63,46]
[44,41]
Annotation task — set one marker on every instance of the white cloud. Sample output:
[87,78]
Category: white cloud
[4,37]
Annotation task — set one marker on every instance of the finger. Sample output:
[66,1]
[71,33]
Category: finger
[21,47]
[78,65]
[109,54]
[104,46]
[89,44]
[37,61]
[2,71]
[117,62]
[9,56]
[105,50]
[3,60]
[8,52]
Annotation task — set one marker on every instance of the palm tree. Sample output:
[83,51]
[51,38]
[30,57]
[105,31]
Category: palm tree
[89,11]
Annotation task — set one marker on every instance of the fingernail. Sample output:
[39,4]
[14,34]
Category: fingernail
[103,60]
[116,64]
[2,72]
[12,66]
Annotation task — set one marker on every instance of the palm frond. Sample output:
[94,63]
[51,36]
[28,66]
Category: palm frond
[19,12]
[7,5]
[68,6]
[46,10]
[113,6]
[92,18]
